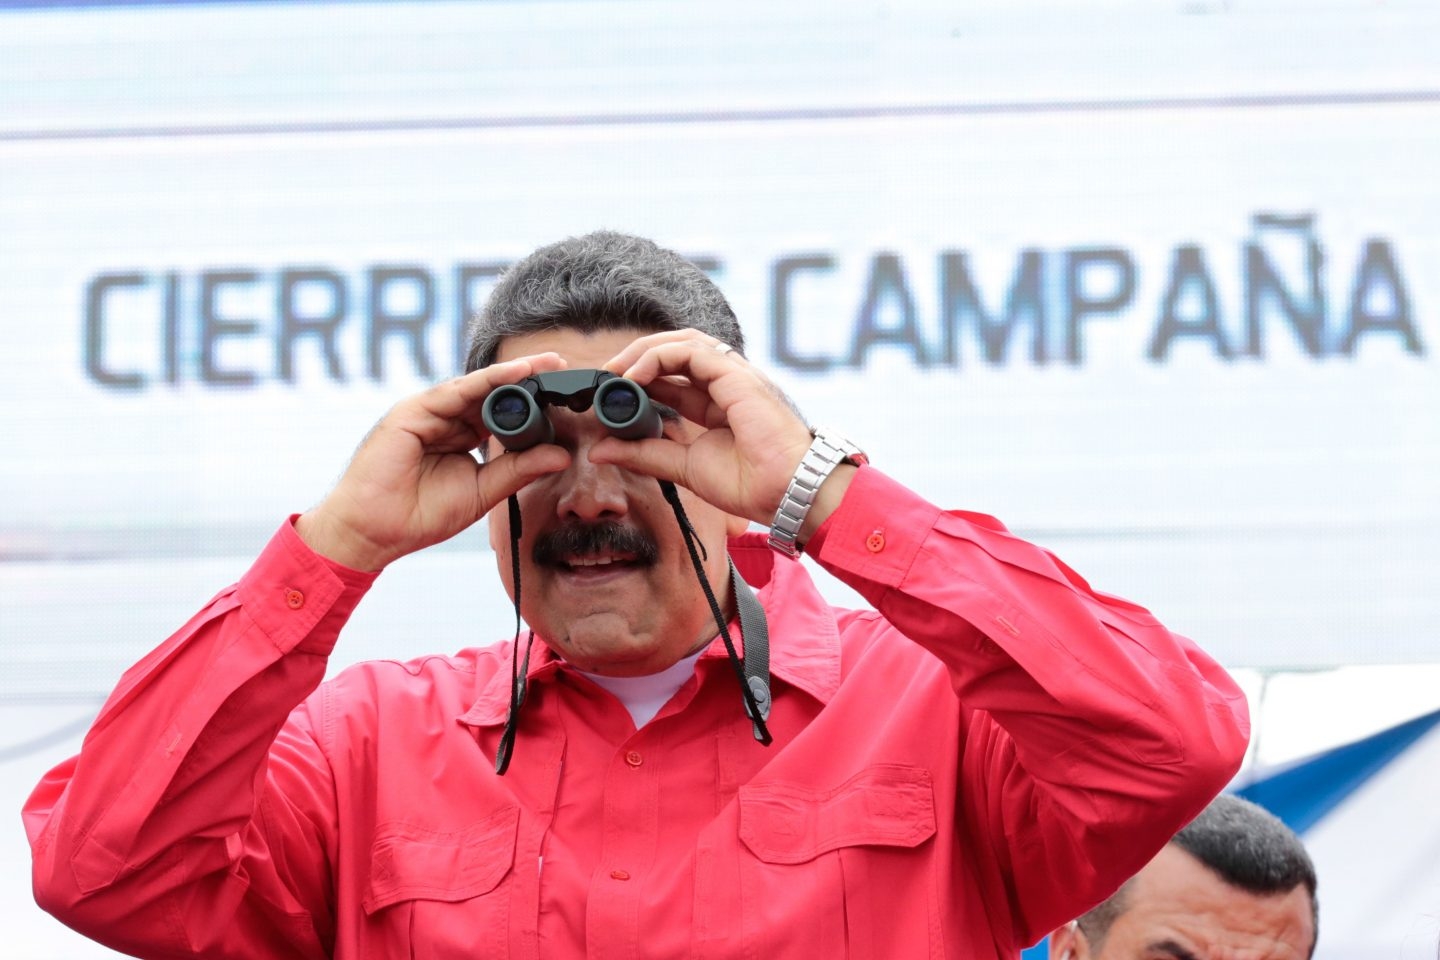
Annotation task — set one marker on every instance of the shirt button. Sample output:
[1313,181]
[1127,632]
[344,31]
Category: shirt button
[634,759]
[619,875]
[876,541]
[294,599]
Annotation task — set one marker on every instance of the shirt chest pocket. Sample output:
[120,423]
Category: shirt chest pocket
[441,893]
[831,868]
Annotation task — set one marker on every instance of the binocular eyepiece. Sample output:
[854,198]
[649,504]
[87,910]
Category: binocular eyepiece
[514,413]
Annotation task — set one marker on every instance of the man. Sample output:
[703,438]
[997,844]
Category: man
[1236,884]
[922,779]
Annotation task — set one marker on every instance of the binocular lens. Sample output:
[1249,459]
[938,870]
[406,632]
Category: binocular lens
[510,411]
[619,405]
[625,410]
[512,415]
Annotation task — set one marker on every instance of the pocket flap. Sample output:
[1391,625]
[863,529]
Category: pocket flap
[410,862]
[889,805]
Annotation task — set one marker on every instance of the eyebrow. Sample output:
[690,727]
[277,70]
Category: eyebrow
[1170,948]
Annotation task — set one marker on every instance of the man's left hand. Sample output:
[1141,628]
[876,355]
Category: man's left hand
[754,438]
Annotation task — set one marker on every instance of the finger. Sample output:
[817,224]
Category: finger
[632,360]
[453,397]
[690,401]
[699,362]
[432,414]
[462,437]
[509,472]
[627,357]
[663,459]
[713,404]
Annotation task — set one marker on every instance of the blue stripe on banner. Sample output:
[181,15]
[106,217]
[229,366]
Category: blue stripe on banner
[113,4]
[392,124]
[1302,794]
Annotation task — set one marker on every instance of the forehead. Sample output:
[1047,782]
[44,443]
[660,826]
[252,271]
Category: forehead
[1177,906]
[580,349]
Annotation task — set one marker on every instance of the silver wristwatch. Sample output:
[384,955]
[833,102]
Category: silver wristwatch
[826,452]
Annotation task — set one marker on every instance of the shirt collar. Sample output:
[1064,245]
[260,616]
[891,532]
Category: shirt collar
[804,638]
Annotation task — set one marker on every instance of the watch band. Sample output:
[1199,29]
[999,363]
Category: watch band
[827,451]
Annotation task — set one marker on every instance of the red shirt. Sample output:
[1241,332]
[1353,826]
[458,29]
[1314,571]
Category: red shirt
[992,752]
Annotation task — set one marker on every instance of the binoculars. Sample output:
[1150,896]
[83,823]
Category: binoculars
[515,414]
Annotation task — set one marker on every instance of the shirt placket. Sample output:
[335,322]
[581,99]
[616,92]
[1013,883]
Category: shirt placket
[628,842]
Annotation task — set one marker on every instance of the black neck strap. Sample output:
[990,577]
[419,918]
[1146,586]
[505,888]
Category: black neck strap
[519,674]
[752,670]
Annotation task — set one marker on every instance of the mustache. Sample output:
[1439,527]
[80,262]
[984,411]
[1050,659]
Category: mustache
[584,539]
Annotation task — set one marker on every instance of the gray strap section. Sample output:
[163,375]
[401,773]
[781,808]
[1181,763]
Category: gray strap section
[755,631]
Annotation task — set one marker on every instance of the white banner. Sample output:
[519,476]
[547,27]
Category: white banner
[1157,284]
[1179,324]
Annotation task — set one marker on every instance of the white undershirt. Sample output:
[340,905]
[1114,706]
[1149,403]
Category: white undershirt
[644,696]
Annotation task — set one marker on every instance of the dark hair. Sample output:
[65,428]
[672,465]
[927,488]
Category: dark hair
[601,281]
[1242,843]
[1249,847]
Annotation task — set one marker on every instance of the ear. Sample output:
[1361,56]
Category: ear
[1068,943]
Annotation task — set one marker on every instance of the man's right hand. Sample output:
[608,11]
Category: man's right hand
[415,482]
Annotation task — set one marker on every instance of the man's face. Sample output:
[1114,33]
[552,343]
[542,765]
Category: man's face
[1176,908]
[594,599]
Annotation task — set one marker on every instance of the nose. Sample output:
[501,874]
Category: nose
[591,491]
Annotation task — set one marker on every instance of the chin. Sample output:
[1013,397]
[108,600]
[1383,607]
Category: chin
[602,638]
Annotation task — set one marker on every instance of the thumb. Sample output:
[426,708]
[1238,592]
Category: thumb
[662,459]
[509,472]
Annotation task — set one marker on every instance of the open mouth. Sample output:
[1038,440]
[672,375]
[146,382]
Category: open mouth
[596,569]
[598,562]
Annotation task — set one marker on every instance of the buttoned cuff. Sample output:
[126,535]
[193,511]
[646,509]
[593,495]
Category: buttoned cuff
[299,598]
[876,531]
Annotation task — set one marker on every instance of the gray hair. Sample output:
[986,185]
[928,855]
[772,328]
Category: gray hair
[601,281]
[1241,842]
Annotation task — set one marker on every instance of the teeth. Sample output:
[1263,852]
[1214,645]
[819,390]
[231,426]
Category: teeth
[591,561]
